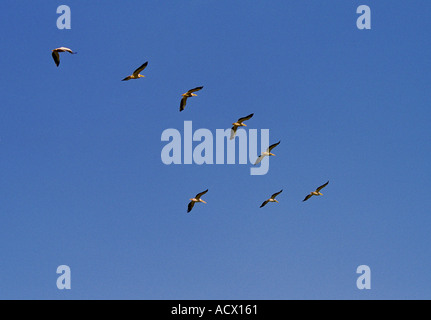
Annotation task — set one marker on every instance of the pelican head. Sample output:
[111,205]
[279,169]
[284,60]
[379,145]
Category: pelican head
[141,76]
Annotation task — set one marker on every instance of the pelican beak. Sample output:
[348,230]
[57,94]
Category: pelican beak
[203,201]
[276,200]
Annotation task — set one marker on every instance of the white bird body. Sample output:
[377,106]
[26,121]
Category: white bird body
[63,49]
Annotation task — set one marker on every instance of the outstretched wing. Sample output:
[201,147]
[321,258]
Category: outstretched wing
[183,103]
[322,186]
[127,78]
[64,49]
[245,118]
[56,57]
[276,194]
[258,160]
[273,146]
[233,132]
[201,194]
[195,89]
[190,206]
[307,197]
[264,203]
[139,70]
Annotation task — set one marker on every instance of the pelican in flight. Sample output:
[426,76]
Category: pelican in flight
[188,94]
[239,123]
[136,74]
[56,55]
[267,152]
[316,193]
[196,199]
[272,199]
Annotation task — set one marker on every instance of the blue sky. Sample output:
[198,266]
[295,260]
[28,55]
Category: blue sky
[83,184]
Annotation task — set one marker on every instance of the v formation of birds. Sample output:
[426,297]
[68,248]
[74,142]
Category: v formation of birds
[239,123]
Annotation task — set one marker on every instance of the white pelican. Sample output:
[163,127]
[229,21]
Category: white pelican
[196,199]
[188,94]
[272,199]
[316,193]
[136,74]
[267,152]
[239,123]
[56,55]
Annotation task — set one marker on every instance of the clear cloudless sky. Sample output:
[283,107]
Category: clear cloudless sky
[82,182]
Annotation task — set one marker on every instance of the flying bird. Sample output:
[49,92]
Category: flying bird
[316,193]
[272,199]
[239,123]
[56,55]
[197,198]
[267,152]
[186,95]
[136,74]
